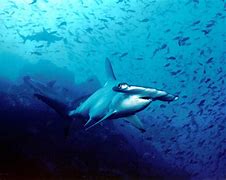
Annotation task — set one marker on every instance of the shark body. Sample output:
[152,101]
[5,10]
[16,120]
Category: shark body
[112,101]
[44,35]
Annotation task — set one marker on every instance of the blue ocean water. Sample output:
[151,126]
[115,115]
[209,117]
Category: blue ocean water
[174,45]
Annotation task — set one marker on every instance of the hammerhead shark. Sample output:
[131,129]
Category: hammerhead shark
[44,35]
[113,100]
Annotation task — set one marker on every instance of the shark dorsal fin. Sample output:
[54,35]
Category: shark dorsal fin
[109,70]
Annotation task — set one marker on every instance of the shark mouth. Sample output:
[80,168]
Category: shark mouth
[145,97]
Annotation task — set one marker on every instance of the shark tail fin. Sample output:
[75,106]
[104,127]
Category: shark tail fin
[47,94]
[109,70]
[60,107]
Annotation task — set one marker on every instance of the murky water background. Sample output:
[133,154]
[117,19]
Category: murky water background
[175,45]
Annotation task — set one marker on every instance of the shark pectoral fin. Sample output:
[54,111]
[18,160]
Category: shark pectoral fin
[98,122]
[90,119]
[136,122]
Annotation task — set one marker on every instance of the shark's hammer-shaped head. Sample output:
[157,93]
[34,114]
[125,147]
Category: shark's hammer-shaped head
[141,92]
[146,93]
[132,98]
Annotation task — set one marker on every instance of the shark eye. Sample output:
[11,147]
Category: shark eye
[122,85]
